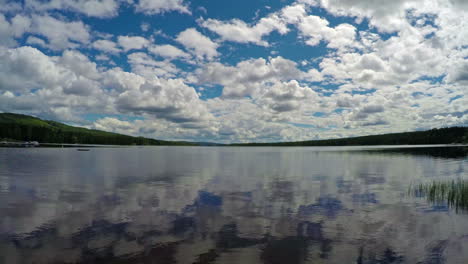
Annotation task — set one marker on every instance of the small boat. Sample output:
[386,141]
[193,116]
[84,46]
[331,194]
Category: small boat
[83,149]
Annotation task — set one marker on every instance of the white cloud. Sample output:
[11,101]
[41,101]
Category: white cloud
[370,83]
[118,80]
[313,28]
[71,83]
[113,125]
[293,13]
[385,16]
[9,30]
[316,29]
[31,40]
[20,24]
[82,86]
[238,31]
[9,6]
[60,34]
[145,65]
[92,8]
[144,27]
[130,43]
[247,76]
[168,51]
[169,99]
[106,46]
[16,64]
[151,7]
[56,87]
[26,68]
[79,64]
[458,73]
[198,44]
[396,61]
[287,96]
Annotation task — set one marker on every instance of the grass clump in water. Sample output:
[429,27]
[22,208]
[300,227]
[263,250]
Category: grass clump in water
[454,194]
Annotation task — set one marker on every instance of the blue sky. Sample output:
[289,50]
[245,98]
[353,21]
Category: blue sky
[237,71]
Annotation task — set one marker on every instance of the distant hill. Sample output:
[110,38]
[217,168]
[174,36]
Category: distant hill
[434,136]
[28,128]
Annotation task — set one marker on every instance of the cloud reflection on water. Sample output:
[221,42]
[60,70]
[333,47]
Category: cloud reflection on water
[224,205]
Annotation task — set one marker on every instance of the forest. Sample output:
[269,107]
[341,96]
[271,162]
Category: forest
[450,135]
[17,127]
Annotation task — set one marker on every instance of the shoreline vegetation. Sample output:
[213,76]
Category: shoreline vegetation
[24,128]
[446,136]
[453,194]
[19,128]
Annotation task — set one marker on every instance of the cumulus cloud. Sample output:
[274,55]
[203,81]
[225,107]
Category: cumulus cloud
[385,17]
[168,51]
[26,61]
[70,80]
[459,73]
[132,42]
[56,87]
[362,82]
[112,124]
[92,8]
[313,28]
[198,44]
[168,99]
[106,46]
[287,96]
[246,77]
[29,69]
[396,61]
[60,34]
[367,110]
[9,6]
[238,31]
[316,29]
[151,7]
[16,27]
[31,40]
[147,66]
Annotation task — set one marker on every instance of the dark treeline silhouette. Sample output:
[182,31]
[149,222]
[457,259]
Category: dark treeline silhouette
[439,152]
[18,127]
[434,136]
[28,128]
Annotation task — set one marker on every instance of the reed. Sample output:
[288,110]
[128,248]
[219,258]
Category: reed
[454,193]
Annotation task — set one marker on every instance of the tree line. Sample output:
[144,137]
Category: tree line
[449,135]
[27,128]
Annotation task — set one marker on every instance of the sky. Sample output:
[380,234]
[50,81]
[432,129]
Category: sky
[237,71]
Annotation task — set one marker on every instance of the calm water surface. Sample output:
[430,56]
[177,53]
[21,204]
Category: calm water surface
[229,205]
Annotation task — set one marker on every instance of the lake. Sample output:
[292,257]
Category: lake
[230,205]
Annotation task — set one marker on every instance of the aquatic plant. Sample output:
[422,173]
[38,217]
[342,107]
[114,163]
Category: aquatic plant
[453,193]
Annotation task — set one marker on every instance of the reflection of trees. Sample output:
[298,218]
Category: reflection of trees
[387,257]
[228,237]
[286,250]
[304,210]
[98,243]
[202,222]
[436,152]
